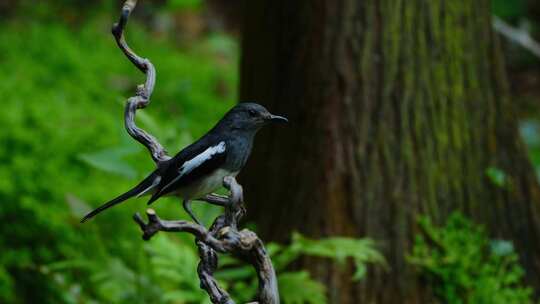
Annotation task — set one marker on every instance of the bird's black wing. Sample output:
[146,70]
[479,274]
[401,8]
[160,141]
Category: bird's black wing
[191,164]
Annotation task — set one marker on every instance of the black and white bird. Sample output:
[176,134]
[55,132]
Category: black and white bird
[199,169]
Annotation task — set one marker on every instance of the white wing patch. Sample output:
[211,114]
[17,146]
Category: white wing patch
[195,162]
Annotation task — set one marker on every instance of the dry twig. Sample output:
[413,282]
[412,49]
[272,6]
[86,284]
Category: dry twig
[517,35]
[223,236]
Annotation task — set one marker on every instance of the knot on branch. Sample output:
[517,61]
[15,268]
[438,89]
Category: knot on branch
[150,228]
[224,237]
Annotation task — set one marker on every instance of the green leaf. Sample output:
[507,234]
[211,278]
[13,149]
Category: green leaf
[77,206]
[299,288]
[496,176]
[184,4]
[462,265]
[183,296]
[361,251]
[509,9]
[501,247]
[236,273]
[111,160]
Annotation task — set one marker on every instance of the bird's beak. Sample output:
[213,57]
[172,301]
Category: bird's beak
[277,118]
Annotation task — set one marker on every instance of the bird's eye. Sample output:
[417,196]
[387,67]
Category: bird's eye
[252,113]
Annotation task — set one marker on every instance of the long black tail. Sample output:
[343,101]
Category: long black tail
[146,185]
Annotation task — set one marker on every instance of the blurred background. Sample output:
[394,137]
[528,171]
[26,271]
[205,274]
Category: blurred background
[64,150]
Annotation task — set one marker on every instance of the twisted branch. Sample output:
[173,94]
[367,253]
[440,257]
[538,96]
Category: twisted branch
[223,235]
[144,91]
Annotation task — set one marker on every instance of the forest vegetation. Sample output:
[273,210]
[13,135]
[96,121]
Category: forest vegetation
[412,177]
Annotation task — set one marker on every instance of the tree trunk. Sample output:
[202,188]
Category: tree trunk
[397,109]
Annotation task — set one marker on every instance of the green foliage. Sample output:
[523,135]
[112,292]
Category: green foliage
[171,277]
[62,106]
[496,176]
[530,133]
[464,266]
[175,264]
[184,4]
[64,150]
[113,160]
[361,251]
[510,10]
[299,287]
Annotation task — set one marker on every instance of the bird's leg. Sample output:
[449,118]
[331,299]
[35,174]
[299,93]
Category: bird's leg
[187,207]
[218,196]
[241,210]
[216,199]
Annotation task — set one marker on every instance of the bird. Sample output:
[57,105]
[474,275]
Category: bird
[199,169]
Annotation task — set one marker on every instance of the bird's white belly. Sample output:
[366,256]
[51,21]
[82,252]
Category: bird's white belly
[206,185]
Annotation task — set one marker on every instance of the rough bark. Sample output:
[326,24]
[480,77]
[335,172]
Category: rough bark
[397,109]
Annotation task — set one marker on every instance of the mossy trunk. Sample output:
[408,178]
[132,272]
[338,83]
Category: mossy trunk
[397,109]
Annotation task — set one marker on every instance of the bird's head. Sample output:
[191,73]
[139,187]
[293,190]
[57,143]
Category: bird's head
[250,116]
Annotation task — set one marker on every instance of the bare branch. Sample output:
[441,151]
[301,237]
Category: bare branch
[215,199]
[155,224]
[205,270]
[223,236]
[517,35]
[142,97]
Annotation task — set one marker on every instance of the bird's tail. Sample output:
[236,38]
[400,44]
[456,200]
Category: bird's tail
[143,187]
